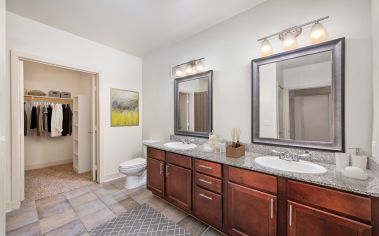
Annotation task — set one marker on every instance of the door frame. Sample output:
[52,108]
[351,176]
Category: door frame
[17,126]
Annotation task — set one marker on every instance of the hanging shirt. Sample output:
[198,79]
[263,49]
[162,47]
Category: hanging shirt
[67,120]
[49,114]
[40,120]
[56,121]
[33,118]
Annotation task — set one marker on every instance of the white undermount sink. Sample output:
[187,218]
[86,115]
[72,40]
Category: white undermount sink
[304,167]
[180,145]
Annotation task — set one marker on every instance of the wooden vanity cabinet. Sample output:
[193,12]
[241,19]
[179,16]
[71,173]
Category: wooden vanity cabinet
[243,202]
[318,211]
[248,210]
[178,186]
[306,220]
[156,171]
[208,193]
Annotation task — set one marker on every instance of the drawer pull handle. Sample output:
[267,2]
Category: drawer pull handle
[166,170]
[204,196]
[161,169]
[272,209]
[290,221]
[204,181]
[206,167]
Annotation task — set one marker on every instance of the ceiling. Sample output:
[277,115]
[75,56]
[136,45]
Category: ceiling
[133,26]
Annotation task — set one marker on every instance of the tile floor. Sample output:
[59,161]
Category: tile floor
[77,211]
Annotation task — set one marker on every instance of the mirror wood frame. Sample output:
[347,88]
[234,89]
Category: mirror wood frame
[337,48]
[209,75]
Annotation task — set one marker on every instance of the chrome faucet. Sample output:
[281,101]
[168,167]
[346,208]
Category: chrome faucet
[290,156]
[187,140]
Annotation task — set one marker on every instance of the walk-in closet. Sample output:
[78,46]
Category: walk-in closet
[58,129]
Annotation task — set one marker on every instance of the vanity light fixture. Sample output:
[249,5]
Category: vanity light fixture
[188,68]
[318,34]
[288,36]
[266,48]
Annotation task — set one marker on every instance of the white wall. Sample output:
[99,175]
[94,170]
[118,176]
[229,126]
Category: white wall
[44,150]
[230,46]
[119,70]
[3,110]
[375,40]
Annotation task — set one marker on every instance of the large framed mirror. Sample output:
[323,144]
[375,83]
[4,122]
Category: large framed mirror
[193,105]
[298,98]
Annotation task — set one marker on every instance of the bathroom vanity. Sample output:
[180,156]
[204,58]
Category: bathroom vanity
[239,197]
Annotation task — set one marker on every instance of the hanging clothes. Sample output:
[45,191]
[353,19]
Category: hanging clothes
[40,121]
[56,121]
[67,120]
[44,118]
[33,118]
[49,113]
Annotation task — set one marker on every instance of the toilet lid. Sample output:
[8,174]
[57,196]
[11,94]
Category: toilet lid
[133,162]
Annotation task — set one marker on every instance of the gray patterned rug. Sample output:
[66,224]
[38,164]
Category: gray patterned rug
[141,221]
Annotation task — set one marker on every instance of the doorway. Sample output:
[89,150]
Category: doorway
[53,164]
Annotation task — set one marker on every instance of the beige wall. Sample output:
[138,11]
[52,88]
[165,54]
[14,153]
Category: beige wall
[3,145]
[44,150]
[230,46]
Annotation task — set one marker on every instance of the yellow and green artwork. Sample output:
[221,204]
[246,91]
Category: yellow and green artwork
[124,107]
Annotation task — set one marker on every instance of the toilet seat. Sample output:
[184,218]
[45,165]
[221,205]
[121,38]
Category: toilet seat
[133,163]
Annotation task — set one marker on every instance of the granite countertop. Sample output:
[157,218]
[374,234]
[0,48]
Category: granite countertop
[331,178]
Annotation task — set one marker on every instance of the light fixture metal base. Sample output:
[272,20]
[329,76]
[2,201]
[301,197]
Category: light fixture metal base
[295,31]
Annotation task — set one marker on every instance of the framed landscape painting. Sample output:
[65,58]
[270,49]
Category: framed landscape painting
[124,108]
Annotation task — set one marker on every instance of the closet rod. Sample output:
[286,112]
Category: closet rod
[48,99]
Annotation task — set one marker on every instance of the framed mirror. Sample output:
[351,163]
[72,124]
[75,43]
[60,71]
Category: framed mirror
[298,98]
[193,105]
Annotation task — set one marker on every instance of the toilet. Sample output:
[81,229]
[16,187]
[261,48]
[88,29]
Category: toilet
[135,169]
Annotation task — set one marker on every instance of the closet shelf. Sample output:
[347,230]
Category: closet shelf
[47,99]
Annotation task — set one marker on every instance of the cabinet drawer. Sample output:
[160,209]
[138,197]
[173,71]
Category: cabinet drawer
[179,160]
[345,203]
[252,179]
[208,182]
[156,153]
[208,207]
[208,168]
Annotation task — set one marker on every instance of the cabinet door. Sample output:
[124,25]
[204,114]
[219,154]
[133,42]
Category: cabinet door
[250,212]
[155,176]
[308,221]
[178,186]
[208,207]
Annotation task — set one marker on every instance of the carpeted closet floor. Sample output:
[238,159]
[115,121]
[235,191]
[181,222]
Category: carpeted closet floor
[49,181]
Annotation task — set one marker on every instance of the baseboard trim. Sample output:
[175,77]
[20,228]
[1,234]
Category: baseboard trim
[48,164]
[111,177]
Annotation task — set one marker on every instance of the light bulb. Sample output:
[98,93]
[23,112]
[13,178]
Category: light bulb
[318,34]
[266,48]
[289,41]
[178,72]
[199,66]
[189,69]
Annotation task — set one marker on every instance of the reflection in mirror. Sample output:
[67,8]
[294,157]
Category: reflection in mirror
[295,98]
[193,98]
[193,105]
